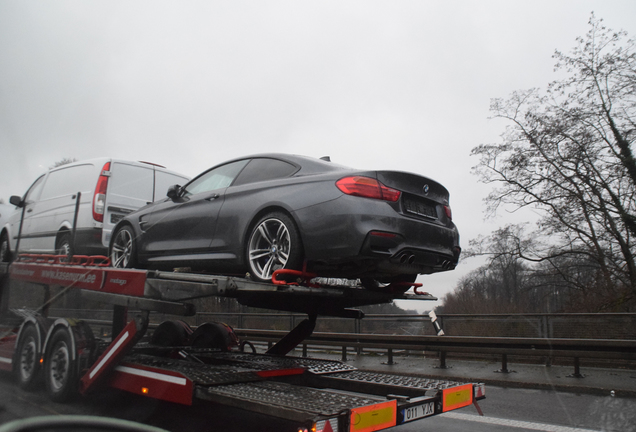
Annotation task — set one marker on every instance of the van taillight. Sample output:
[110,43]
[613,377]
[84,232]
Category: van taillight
[367,187]
[99,199]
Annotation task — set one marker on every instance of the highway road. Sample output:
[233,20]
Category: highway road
[505,409]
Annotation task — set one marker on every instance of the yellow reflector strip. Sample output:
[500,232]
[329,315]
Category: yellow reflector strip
[374,417]
[457,397]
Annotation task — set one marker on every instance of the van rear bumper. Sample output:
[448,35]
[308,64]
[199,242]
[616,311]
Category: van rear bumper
[89,241]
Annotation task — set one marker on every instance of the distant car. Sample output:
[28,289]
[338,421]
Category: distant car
[109,188]
[260,213]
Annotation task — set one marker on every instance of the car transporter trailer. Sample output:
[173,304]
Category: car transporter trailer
[311,394]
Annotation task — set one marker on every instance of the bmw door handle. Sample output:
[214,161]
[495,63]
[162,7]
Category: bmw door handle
[212,197]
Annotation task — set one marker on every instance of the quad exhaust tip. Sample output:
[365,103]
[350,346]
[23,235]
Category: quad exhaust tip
[407,258]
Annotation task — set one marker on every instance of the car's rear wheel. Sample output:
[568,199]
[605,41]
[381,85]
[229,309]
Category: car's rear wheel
[123,253]
[274,243]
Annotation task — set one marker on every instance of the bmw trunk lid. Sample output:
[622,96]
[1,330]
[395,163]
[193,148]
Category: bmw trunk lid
[421,197]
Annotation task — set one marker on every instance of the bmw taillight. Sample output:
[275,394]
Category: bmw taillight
[99,198]
[449,213]
[367,187]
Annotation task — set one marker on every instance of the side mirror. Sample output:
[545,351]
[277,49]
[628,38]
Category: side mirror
[173,191]
[16,201]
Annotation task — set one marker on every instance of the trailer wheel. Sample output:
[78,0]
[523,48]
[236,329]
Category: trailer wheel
[171,334]
[214,335]
[27,366]
[60,374]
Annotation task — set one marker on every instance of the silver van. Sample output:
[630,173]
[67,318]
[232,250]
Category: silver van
[109,188]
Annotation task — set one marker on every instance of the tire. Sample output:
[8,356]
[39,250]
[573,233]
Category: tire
[214,335]
[5,248]
[63,245]
[27,365]
[171,334]
[60,369]
[274,243]
[123,252]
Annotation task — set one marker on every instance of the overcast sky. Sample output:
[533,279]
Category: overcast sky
[402,85]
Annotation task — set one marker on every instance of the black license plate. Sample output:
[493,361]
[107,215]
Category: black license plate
[419,208]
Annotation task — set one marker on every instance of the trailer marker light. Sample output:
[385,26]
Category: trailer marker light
[144,390]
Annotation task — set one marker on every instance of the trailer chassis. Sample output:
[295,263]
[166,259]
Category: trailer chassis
[316,395]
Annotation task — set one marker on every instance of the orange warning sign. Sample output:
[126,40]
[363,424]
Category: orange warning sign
[374,417]
[457,397]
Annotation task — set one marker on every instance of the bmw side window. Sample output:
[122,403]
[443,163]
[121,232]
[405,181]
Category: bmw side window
[34,191]
[261,169]
[216,178]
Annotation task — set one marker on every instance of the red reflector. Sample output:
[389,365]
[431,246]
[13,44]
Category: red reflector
[383,234]
[367,187]
[99,198]
[280,372]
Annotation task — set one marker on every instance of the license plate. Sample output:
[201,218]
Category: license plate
[420,208]
[418,412]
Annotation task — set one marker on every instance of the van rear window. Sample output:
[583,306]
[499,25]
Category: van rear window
[131,181]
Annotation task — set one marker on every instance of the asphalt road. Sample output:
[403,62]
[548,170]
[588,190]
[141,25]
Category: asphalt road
[505,409]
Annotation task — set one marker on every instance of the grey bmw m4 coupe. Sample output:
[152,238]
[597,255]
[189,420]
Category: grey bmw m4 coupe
[265,212]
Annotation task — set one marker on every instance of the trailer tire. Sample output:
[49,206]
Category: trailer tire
[214,335]
[171,334]
[60,371]
[27,364]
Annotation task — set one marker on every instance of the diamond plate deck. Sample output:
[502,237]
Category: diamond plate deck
[403,381]
[281,395]
[269,362]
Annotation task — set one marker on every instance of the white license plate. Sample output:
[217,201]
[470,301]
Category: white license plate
[418,411]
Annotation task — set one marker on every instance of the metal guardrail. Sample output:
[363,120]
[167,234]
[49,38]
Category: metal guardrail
[547,347]
[571,348]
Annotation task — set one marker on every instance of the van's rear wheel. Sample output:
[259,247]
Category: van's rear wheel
[63,245]
[123,253]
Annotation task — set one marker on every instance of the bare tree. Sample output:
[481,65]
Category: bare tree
[567,152]
[63,161]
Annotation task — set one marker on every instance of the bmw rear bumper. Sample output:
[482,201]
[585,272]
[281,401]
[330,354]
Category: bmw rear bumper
[375,235]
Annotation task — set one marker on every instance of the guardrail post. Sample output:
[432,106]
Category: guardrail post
[577,369]
[390,359]
[358,323]
[304,350]
[344,353]
[442,360]
[504,364]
